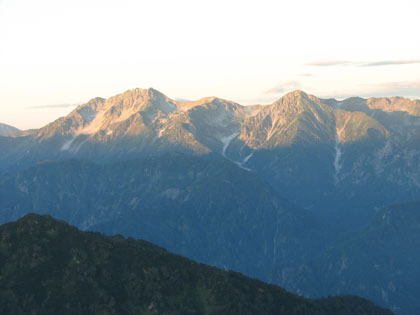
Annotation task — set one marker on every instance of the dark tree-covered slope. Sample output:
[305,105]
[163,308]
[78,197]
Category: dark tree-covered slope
[49,267]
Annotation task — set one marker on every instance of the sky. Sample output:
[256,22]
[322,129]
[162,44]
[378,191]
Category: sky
[57,54]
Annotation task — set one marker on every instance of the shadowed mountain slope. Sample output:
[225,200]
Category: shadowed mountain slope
[380,263]
[207,209]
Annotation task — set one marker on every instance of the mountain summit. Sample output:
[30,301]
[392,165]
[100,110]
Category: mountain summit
[104,116]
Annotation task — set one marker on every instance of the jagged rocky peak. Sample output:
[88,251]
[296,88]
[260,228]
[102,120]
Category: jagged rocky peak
[298,101]
[392,104]
[337,104]
[298,95]
[123,105]
[296,117]
[217,112]
[142,99]
[89,110]
[385,104]
[357,125]
[210,102]
[99,115]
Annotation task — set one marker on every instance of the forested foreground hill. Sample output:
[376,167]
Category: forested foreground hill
[50,267]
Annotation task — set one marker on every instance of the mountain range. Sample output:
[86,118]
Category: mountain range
[278,192]
[335,151]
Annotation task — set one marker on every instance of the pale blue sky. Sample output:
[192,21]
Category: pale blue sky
[66,52]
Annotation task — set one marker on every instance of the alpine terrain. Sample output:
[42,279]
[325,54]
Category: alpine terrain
[316,195]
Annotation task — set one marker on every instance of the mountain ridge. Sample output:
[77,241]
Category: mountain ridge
[386,103]
[6,130]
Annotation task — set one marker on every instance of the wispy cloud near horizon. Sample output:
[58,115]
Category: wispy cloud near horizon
[284,87]
[407,89]
[391,63]
[53,106]
[332,63]
[402,88]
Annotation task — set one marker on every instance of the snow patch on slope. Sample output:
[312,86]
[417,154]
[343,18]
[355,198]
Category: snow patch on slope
[382,155]
[95,124]
[246,159]
[72,146]
[226,142]
[88,114]
[77,148]
[337,159]
[66,146]
[125,114]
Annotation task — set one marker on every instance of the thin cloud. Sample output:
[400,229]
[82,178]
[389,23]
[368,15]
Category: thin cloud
[332,63]
[329,63]
[404,88]
[391,62]
[409,89]
[262,99]
[305,75]
[52,106]
[284,87]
